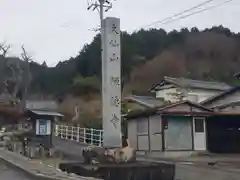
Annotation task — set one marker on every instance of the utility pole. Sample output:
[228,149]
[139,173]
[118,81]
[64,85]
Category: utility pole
[111,75]
[101,6]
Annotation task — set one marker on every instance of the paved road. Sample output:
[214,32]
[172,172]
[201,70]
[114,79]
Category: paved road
[191,172]
[8,173]
[70,148]
[183,171]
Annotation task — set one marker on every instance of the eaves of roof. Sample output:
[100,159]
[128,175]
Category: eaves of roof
[218,96]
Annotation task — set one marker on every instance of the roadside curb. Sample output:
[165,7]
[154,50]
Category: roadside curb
[219,166]
[40,176]
[183,161]
[37,175]
[24,171]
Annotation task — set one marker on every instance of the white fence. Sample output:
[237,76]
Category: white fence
[83,135]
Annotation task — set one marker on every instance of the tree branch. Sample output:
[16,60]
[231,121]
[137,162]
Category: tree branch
[25,56]
[26,74]
[19,81]
[4,49]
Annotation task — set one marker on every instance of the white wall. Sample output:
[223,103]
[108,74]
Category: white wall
[138,134]
[193,94]
[167,94]
[203,94]
[145,134]
[155,134]
[132,133]
[142,134]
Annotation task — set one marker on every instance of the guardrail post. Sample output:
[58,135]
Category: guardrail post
[78,134]
[66,132]
[60,131]
[56,130]
[84,135]
[92,136]
[72,133]
[100,138]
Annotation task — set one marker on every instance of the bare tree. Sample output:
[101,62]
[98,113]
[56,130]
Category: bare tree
[12,83]
[26,75]
[19,81]
[4,49]
[25,55]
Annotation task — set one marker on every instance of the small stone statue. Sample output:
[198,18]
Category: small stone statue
[96,154]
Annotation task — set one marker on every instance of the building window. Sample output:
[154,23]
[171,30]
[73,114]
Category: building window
[199,125]
[142,126]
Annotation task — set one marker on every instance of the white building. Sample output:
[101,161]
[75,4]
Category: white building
[178,127]
[185,127]
[177,89]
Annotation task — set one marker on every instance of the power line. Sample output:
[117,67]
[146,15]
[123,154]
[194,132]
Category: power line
[178,14]
[197,12]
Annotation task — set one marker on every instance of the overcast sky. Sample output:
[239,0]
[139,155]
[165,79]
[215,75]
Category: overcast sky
[54,30]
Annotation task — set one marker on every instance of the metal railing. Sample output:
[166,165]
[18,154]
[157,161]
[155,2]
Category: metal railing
[84,135]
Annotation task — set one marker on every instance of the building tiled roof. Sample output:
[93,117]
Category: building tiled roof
[220,95]
[222,106]
[48,113]
[190,83]
[147,101]
[42,105]
[161,109]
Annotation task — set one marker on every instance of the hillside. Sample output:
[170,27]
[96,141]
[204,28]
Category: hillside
[208,54]
[211,54]
[205,55]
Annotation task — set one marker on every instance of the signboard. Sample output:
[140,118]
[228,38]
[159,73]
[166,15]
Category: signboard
[43,127]
[111,84]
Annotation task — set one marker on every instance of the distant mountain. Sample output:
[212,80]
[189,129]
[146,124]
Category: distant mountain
[149,55]
[146,57]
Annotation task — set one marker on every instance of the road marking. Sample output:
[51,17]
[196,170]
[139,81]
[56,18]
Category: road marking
[186,163]
[39,174]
